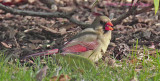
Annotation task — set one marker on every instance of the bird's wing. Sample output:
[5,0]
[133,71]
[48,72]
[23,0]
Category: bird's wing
[81,47]
[87,40]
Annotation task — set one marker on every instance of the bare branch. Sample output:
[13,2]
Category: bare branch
[125,15]
[32,13]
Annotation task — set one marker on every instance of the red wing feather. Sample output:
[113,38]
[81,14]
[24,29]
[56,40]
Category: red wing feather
[75,48]
[90,45]
[82,47]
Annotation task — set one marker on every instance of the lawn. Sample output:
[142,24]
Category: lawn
[131,68]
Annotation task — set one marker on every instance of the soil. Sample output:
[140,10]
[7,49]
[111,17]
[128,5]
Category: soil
[24,35]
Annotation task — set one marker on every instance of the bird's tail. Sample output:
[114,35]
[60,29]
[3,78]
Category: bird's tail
[48,52]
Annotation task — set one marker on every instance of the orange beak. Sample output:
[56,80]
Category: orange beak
[110,28]
[109,23]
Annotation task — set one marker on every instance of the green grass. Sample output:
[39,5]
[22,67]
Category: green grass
[143,70]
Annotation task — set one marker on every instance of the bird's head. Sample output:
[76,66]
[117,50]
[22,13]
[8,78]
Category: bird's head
[104,22]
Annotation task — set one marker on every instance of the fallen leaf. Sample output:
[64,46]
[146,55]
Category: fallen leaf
[9,15]
[60,78]
[54,7]
[6,45]
[36,41]
[134,61]
[66,9]
[62,31]
[134,79]
[152,46]
[49,29]
[31,1]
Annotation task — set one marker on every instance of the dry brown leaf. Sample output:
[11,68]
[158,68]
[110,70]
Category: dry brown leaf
[60,78]
[62,31]
[31,1]
[134,61]
[66,9]
[54,7]
[62,20]
[68,26]
[152,46]
[49,29]
[134,79]
[6,45]
[9,15]
[36,41]
[31,62]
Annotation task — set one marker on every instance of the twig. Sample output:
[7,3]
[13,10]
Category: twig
[125,15]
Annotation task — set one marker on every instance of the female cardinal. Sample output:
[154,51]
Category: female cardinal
[89,43]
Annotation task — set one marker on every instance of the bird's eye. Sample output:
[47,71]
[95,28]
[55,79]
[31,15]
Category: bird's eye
[101,22]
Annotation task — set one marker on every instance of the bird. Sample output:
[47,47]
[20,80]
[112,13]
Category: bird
[90,43]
